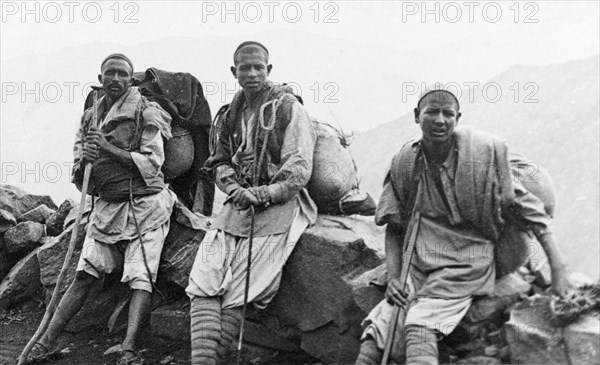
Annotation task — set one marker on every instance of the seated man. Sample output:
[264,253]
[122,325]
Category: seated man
[262,157]
[130,218]
[460,182]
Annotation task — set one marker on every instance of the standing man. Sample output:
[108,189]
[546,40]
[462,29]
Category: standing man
[262,157]
[130,216]
[460,182]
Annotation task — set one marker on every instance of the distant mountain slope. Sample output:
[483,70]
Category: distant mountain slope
[560,132]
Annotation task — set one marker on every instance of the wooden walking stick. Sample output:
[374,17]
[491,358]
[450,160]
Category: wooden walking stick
[54,300]
[399,312]
[247,289]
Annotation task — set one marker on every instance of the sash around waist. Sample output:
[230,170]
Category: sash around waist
[113,182]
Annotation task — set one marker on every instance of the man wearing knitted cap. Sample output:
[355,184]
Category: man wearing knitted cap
[262,157]
[454,190]
[131,208]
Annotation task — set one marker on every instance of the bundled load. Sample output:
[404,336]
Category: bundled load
[334,183]
[517,244]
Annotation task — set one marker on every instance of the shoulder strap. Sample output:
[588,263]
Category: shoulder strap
[404,176]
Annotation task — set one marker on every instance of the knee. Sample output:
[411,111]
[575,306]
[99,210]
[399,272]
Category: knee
[84,278]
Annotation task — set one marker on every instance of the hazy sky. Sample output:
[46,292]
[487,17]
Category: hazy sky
[491,35]
[571,27]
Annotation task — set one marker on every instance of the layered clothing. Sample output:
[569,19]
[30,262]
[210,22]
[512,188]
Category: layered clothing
[272,148]
[126,196]
[464,204]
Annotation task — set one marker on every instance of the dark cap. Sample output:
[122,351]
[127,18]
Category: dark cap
[118,56]
[446,95]
[251,43]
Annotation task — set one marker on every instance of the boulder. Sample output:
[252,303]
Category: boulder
[185,234]
[172,321]
[583,340]
[531,335]
[52,253]
[7,260]
[22,282]
[17,201]
[315,304]
[369,288]
[99,304]
[23,237]
[38,214]
[55,223]
[7,220]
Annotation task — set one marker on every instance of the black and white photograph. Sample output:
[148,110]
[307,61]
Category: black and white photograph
[300,182]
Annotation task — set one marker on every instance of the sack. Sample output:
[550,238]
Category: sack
[516,245]
[334,183]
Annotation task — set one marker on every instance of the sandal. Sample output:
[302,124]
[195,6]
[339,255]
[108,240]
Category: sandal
[134,360]
[40,353]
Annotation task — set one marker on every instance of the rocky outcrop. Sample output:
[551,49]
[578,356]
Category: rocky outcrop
[185,234]
[7,220]
[38,214]
[315,305]
[23,237]
[22,282]
[534,335]
[55,223]
[17,202]
[334,277]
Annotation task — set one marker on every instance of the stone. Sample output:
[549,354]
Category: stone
[531,335]
[55,223]
[315,302]
[99,304]
[369,288]
[51,256]
[331,344]
[17,201]
[38,214]
[23,237]
[185,235]
[22,282]
[583,340]
[7,260]
[7,220]
[172,321]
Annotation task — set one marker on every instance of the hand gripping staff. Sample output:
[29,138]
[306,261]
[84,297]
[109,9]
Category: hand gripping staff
[399,313]
[54,300]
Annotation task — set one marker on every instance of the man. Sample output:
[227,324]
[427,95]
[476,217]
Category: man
[460,182]
[130,218]
[262,156]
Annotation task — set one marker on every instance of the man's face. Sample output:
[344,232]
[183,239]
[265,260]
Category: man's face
[115,78]
[251,70]
[438,118]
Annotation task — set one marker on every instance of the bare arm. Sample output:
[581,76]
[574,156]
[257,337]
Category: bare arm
[560,281]
[396,292]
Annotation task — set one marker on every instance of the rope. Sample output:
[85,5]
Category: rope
[137,228]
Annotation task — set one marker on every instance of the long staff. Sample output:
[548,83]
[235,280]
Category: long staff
[399,312]
[54,300]
[247,289]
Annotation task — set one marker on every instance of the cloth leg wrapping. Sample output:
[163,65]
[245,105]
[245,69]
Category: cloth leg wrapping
[369,353]
[231,319]
[421,346]
[205,326]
